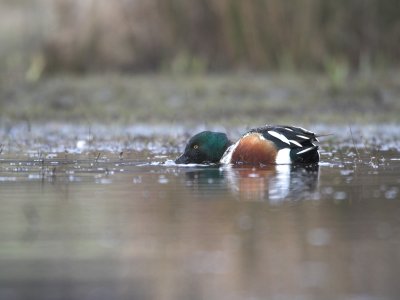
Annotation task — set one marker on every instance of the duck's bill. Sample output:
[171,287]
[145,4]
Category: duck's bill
[183,159]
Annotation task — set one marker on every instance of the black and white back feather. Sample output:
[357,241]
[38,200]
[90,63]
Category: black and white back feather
[299,141]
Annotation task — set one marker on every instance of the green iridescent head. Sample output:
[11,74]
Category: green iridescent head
[204,147]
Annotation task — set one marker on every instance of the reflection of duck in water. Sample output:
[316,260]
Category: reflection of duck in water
[250,183]
[272,183]
[206,181]
[260,146]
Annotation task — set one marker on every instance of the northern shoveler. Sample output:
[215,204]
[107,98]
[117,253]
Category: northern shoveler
[264,145]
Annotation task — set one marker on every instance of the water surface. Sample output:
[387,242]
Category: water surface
[105,214]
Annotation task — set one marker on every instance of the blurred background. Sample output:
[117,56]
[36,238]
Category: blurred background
[336,39]
[43,36]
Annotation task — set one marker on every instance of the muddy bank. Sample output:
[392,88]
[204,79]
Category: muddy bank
[241,99]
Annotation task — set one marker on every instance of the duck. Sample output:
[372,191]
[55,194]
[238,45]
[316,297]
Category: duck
[266,145]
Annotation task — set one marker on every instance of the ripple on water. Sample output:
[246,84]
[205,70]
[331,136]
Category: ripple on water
[223,225]
[346,172]
[162,179]
[392,193]
[7,178]
[102,180]
[340,195]
[318,237]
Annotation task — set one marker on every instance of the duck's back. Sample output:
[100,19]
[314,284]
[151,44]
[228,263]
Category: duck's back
[274,144]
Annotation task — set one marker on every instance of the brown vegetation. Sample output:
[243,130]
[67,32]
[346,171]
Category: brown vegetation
[184,35]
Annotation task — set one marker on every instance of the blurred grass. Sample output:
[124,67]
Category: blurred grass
[242,98]
[193,36]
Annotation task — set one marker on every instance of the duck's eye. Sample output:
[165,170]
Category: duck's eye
[196,146]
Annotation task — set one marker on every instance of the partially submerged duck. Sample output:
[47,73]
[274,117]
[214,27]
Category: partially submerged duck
[271,144]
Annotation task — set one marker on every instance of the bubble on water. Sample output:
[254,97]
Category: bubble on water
[81,144]
[327,190]
[318,237]
[51,155]
[326,164]
[340,195]
[346,172]
[373,163]
[34,176]
[351,154]
[162,179]
[104,181]
[137,179]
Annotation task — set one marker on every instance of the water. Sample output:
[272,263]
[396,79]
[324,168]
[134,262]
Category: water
[105,214]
